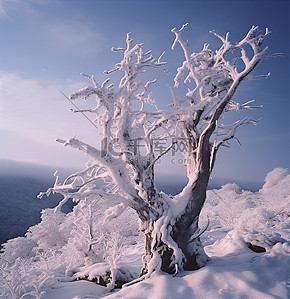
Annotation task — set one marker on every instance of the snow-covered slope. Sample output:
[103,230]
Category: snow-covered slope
[234,271]
[46,262]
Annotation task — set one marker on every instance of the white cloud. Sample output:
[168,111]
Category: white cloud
[3,8]
[38,113]
[7,7]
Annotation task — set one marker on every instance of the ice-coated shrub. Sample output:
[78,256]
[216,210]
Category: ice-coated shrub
[275,191]
[228,204]
[63,245]
[20,247]
[48,233]
[239,209]
[276,177]
[25,276]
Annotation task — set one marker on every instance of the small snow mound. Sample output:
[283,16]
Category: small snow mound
[267,238]
[101,273]
[233,243]
[281,248]
[94,271]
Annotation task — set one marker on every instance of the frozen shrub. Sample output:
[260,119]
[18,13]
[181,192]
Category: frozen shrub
[275,191]
[20,247]
[238,209]
[228,204]
[48,232]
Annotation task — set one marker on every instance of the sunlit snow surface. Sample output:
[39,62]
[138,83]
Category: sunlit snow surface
[234,271]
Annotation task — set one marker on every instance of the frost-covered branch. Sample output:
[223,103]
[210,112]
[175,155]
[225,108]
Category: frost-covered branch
[234,106]
[216,79]
[114,169]
[228,132]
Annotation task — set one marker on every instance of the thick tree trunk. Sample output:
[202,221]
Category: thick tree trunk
[185,233]
[194,255]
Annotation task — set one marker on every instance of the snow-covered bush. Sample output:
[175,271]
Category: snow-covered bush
[53,237]
[63,246]
[243,210]
[228,204]
[276,188]
[20,247]
[27,275]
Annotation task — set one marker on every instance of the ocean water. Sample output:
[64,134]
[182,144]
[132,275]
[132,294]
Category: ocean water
[19,206]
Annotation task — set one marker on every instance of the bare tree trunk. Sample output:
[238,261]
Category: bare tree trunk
[185,233]
[148,254]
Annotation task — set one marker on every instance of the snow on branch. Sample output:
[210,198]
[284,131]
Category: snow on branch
[211,69]
[193,116]
[135,60]
[216,78]
[121,124]
[83,184]
[178,34]
[234,106]
[228,132]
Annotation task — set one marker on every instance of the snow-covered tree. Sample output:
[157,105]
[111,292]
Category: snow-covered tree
[131,123]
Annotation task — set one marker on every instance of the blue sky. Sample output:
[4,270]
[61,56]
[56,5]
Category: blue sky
[45,44]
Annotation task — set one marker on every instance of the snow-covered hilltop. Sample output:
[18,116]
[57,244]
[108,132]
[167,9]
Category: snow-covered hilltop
[54,254]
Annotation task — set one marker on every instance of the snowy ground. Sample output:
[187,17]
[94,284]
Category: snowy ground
[47,261]
[234,271]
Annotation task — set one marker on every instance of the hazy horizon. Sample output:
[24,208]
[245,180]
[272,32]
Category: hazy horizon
[21,182]
[18,169]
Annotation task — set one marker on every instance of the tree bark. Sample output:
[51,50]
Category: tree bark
[185,233]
